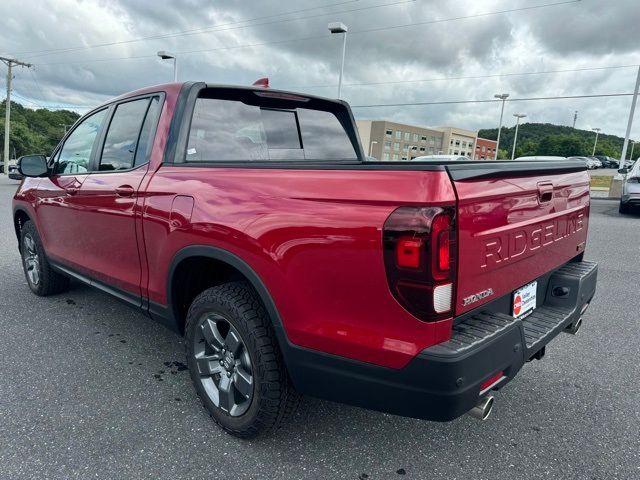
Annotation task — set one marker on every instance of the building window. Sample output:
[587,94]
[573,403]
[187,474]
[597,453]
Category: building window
[407,136]
[451,142]
[422,149]
[415,137]
[464,145]
[457,143]
[387,145]
[423,138]
[396,146]
[398,134]
[404,159]
[405,148]
[484,149]
[385,156]
[450,151]
[456,152]
[388,133]
[395,156]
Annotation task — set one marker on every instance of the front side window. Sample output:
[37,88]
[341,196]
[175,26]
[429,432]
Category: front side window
[121,142]
[230,130]
[76,151]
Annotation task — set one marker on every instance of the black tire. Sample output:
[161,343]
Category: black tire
[229,334]
[41,278]
[623,208]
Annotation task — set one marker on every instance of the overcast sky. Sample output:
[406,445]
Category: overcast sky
[238,41]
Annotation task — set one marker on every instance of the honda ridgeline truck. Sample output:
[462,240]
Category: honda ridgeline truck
[250,221]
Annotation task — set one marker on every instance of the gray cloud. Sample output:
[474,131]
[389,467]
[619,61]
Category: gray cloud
[579,35]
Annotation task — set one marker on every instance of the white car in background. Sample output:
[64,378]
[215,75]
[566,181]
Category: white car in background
[630,187]
[541,158]
[441,158]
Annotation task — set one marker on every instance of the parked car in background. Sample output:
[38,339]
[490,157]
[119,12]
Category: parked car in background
[14,173]
[541,158]
[607,162]
[441,158]
[587,160]
[630,188]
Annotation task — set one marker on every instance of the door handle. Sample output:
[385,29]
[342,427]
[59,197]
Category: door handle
[125,191]
[71,190]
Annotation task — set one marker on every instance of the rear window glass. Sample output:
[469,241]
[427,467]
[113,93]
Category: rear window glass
[229,130]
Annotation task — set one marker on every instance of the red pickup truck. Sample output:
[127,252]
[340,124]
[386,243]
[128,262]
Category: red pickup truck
[250,221]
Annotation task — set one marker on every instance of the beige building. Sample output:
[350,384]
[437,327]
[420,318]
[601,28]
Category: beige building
[458,141]
[397,141]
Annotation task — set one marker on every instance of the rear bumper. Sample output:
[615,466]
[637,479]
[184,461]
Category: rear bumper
[630,199]
[444,381]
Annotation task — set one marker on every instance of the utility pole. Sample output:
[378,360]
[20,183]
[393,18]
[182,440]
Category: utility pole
[630,121]
[9,62]
[575,117]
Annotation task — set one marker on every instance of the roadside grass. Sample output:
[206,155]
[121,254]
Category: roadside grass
[601,181]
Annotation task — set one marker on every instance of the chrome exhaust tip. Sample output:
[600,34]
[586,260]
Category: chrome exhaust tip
[573,328]
[483,409]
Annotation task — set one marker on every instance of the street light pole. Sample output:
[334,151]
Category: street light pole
[597,130]
[167,56]
[630,121]
[371,146]
[339,27]
[503,97]
[633,144]
[9,62]
[515,138]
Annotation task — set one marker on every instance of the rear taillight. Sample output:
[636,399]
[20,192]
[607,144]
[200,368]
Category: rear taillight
[419,257]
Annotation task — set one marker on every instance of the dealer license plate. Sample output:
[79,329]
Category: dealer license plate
[524,300]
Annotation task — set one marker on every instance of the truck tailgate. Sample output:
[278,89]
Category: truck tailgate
[516,224]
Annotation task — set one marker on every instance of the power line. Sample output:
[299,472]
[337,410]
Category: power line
[218,29]
[182,32]
[470,77]
[354,32]
[524,99]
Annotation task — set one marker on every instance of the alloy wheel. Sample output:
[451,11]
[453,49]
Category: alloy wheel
[31,260]
[224,364]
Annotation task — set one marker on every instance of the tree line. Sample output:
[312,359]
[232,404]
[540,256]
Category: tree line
[34,131]
[556,140]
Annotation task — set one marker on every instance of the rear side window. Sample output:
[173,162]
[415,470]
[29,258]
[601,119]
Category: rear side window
[121,142]
[230,130]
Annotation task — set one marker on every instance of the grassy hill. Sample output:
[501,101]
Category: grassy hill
[34,131]
[548,139]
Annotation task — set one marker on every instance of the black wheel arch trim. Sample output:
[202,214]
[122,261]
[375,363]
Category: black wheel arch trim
[234,261]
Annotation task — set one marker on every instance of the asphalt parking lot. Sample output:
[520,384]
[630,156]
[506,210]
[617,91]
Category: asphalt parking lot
[92,389]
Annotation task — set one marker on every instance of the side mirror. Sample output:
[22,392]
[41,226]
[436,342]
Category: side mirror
[33,166]
[623,171]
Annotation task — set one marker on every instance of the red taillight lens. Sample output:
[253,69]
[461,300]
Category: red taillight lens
[419,254]
[409,252]
[442,245]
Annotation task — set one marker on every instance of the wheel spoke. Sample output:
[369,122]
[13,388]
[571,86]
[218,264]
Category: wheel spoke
[233,342]
[212,334]
[209,365]
[225,394]
[243,381]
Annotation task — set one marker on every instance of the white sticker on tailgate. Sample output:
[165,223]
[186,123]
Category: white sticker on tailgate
[524,300]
